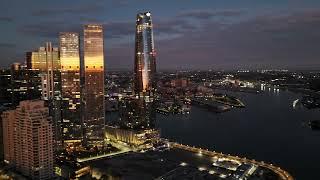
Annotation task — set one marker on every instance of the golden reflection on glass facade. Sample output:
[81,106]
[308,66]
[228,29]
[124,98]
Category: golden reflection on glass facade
[46,62]
[145,61]
[45,58]
[70,86]
[93,84]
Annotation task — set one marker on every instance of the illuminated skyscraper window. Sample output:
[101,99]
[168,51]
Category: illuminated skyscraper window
[70,83]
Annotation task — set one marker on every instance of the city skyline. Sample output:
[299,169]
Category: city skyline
[246,35]
[152,89]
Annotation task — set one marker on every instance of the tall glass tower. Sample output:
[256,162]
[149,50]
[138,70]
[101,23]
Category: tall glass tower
[145,61]
[93,94]
[70,87]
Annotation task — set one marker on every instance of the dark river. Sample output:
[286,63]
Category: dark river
[269,129]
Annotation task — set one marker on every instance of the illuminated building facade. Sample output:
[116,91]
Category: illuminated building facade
[145,61]
[136,124]
[45,59]
[46,62]
[179,83]
[93,95]
[141,138]
[25,83]
[28,139]
[136,114]
[5,86]
[70,87]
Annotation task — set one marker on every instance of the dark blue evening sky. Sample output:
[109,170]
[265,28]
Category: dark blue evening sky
[197,34]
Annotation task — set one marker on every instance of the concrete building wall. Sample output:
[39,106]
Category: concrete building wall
[29,139]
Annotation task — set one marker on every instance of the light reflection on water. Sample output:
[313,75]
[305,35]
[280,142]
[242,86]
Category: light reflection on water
[267,129]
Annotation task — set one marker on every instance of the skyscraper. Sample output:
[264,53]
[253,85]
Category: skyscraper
[136,114]
[47,62]
[141,110]
[70,87]
[28,139]
[145,61]
[25,83]
[4,106]
[93,94]
[44,59]
[5,86]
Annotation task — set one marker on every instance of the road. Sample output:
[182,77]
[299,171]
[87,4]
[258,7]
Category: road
[284,175]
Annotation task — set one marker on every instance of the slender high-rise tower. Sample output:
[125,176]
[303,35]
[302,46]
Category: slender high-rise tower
[70,87]
[145,61]
[93,94]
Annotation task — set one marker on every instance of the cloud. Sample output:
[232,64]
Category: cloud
[48,29]
[288,41]
[118,29]
[173,26]
[82,9]
[8,54]
[112,30]
[7,45]
[92,8]
[120,57]
[207,14]
[6,19]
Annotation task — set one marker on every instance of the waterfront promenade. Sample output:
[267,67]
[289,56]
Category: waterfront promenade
[284,175]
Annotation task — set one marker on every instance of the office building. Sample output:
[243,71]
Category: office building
[136,138]
[3,107]
[145,56]
[70,87]
[136,124]
[5,86]
[46,62]
[44,59]
[25,83]
[93,94]
[136,114]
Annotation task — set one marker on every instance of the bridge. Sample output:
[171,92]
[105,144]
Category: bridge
[284,175]
[123,150]
[100,156]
